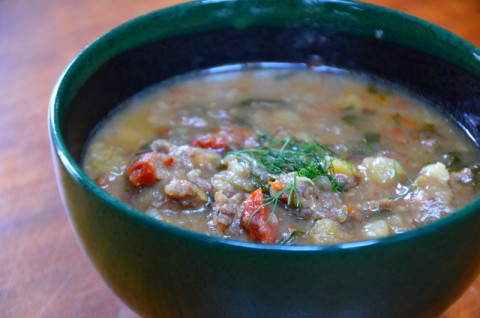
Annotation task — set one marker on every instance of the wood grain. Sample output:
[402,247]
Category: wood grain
[43,272]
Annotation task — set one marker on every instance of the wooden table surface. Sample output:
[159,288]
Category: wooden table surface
[43,272]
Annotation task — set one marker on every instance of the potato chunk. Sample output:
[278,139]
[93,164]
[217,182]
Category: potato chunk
[382,170]
[340,166]
[376,229]
[326,231]
[186,193]
[436,171]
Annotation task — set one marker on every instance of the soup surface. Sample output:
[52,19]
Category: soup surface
[284,155]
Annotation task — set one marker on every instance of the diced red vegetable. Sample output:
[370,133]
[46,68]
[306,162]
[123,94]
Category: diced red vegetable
[223,137]
[143,171]
[234,134]
[277,185]
[168,161]
[211,141]
[397,135]
[178,91]
[102,181]
[406,122]
[255,217]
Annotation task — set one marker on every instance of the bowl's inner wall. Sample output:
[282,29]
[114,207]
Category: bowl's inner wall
[452,90]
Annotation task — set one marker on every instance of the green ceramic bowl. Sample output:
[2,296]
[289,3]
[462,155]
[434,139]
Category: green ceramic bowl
[163,271]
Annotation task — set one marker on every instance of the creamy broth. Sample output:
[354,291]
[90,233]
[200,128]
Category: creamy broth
[286,156]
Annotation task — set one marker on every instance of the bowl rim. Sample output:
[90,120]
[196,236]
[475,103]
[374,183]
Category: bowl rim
[60,148]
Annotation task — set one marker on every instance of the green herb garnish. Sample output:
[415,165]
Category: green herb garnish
[308,159]
[397,119]
[452,159]
[429,129]
[372,88]
[288,239]
[372,137]
[352,120]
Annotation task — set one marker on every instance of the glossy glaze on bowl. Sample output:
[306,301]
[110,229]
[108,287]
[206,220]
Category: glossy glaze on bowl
[160,270]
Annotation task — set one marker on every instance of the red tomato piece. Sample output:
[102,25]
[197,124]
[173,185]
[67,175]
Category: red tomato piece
[168,161]
[211,141]
[255,217]
[235,135]
[143,171]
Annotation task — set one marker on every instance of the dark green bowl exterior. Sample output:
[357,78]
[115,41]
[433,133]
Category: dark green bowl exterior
[163,271]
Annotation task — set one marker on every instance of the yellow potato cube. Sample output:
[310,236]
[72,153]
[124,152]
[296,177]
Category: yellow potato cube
[436,171]
[382,170]
[376,229]
[326,231]
[340,166]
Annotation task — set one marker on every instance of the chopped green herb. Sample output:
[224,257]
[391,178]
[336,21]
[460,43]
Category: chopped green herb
[429,129]
[372,88]
[452,159]
[308,159]
[245,111]
[289,238]
[348,108]
[260,180]
[397,119]
[372,137]
[143,150]
[352,120]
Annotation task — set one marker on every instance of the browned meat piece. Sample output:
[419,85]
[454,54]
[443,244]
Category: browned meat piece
[314,203]
[226,209]
[186,193]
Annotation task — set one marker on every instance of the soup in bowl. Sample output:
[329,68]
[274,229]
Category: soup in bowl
[284,154]
[239,158]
